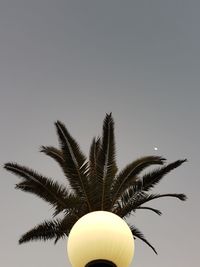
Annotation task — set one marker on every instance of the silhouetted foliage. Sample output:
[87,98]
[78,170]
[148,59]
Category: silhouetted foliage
[95,184]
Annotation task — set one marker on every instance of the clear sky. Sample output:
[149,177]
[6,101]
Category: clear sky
[75,61]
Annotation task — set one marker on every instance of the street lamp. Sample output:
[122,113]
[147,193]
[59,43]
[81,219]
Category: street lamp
[100,239]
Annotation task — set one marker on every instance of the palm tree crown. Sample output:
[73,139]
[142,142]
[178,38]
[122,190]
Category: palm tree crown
[95,183]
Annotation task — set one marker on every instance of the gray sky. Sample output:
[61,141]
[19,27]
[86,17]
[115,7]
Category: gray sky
[75,61]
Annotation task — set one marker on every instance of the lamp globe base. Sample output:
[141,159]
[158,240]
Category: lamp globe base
[100,263]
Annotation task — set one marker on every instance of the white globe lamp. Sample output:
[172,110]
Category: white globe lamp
[100,239]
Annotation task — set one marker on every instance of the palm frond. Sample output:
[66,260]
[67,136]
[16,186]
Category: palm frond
[106,164]
[147,198]
[139,199]
[152,178]
[44,187]
[54,153]
[128,176]
[75,167]
[47,230]
[149,208]
[44,231]
[138,234]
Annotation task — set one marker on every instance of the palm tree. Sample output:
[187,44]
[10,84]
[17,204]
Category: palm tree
[95,184]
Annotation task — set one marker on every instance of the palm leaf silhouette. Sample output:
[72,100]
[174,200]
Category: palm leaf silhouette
[94,185]
[106,166]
